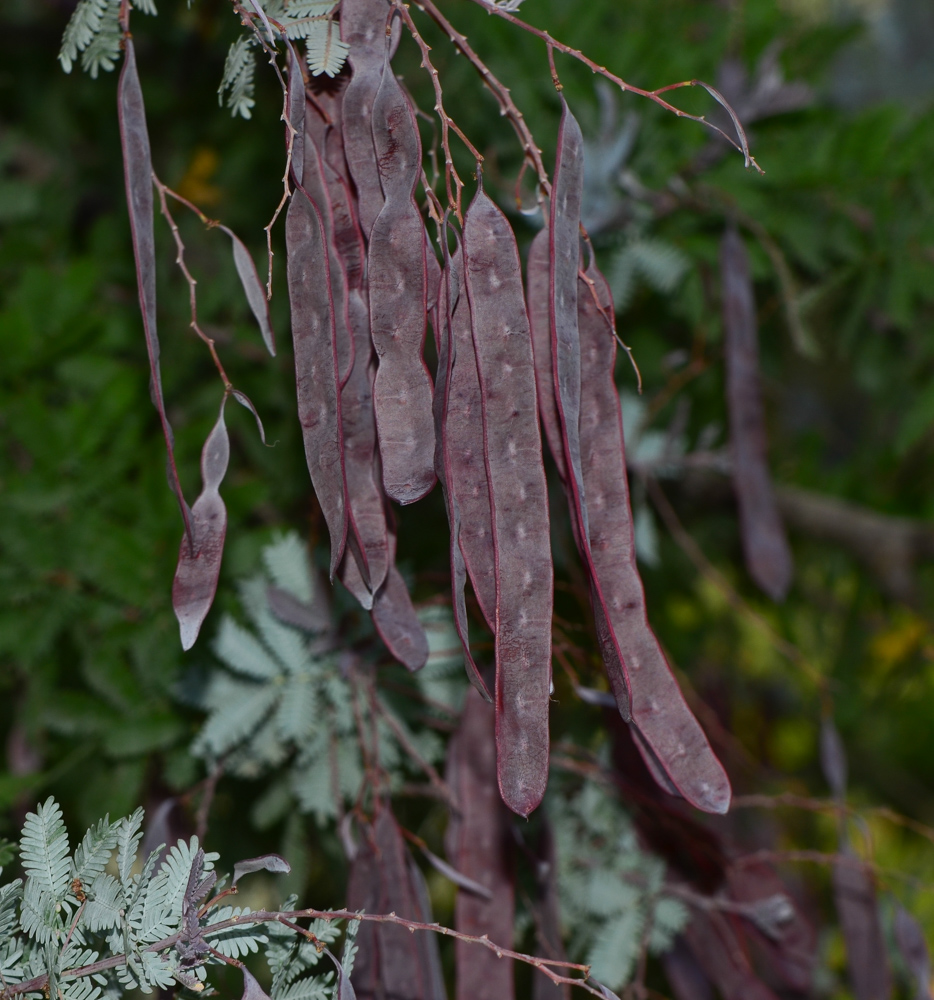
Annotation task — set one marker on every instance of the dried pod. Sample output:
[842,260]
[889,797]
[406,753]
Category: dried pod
[670,739]
[199,559]
[363,28]
[519,501]
[316,371]
[854,892]
[480,843]
[768,557]
[396,272]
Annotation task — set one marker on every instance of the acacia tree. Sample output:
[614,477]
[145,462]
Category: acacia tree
[381,422]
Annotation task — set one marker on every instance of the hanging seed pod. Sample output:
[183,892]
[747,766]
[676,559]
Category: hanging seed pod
[670,739]
[519,502]
[396,272]
[363,28]
[316,370]
[480,843]
[199,563]
[537,296]
[451,292]
[768,557]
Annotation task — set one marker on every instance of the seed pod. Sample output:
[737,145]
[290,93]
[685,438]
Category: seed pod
[450,293]
[564,263]
[466,463]
[537,295]
[368,518]
[137,173]
[395,618]
[316,374]
[396,272]
[519,502]
[480,843]
[318,190]
[391,963]
[768,557]
[671,740]
[854,893]
[363,28]
[199,563]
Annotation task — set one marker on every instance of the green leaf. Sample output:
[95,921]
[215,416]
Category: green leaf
[44,850]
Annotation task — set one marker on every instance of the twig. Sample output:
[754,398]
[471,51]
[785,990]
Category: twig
[447,123]
[192,281]
[507,106]
[653,95]
[436,780]
[207,798]
[547,966]
[790,800]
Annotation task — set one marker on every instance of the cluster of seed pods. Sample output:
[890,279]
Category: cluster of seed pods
[364,279]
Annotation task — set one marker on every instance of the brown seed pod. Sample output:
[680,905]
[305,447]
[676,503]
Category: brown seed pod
[519,501]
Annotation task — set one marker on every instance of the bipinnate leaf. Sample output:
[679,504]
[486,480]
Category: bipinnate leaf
[137,171]
[265,862]
[255,296]
[44,849]
[199,560]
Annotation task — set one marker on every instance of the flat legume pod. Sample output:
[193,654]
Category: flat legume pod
[480,843]
[367,509]
[519,502]
[659,710]
[396,272]
[564,263]
[397,966]
[199,564]
[316,187]
[397,623]
[450,292]
[768,557]
[316,374]
[538,296]
[363,28]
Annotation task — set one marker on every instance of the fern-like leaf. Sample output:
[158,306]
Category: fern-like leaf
[93,853]
[286,561]
[239,78]
[243,653]
[236,941]
[10,895]
[44,850]
[105,900]
[84,24]
[237,709]
[324,50]
[103,51]
[129,834]
[40,914]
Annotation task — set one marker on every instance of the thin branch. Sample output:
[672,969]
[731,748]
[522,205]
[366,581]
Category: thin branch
[436,780]
[653,95]
[447,123]
[506,104]
[287,918]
